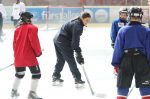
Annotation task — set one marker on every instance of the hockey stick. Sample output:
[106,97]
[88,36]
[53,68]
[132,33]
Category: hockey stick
[101,95]
[6,67]
[131,91]
[11,65]
[133,86]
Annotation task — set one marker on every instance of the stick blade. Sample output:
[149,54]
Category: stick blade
[100,95]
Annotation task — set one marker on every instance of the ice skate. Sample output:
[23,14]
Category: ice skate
[14,94]
[57,81]
[33,95]
[79,83]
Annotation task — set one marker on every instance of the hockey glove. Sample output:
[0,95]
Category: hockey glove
[116,70]
[112,44]
[79,58]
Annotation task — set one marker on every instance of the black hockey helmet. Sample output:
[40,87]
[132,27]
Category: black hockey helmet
[26,16]
[123,10]
[135,12]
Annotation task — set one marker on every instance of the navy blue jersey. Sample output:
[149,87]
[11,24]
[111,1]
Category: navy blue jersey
[131,36]
[116,25]
[70,33]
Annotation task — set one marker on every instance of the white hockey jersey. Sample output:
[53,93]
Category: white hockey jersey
[2,10]
[17,9]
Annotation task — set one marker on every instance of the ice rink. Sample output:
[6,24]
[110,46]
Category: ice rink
[97,52]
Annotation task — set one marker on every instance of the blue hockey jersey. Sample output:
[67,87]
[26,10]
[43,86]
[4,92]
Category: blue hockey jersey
[116,25]
[133,35]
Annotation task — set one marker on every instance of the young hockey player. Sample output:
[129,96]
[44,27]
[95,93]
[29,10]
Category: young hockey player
[2,16]
[26,47]
[117,24]
[132,56]
[18,8]
[67,42]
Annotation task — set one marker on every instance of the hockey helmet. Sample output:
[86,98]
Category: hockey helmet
[123,10]
[135,12]
[26,16]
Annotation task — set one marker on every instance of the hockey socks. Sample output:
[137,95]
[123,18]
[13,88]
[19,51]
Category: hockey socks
[34,84]
[121,97]
[146,97]
[16,83]
[32,93]
[14,92]
[145,93]
[122,93]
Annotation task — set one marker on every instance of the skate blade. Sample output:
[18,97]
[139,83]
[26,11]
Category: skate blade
[79,86]
[57,84]
[100,95]
[34,98]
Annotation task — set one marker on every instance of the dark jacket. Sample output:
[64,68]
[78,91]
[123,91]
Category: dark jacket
[70,33]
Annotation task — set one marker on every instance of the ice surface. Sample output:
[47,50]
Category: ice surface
[95,44]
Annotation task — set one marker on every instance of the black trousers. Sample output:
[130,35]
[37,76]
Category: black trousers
[134,63]
[1,23]
[64,53]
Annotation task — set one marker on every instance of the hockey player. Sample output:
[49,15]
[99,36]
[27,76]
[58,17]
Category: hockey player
[67,42]
[117,24]
[132,56]
[18,8]
[2,16]
[26,48]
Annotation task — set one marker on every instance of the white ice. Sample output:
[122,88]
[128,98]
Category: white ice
[95,44]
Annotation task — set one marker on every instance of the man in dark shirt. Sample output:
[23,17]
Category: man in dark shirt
[67,42]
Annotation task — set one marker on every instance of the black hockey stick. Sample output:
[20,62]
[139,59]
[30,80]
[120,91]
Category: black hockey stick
[101,95]
[6,67]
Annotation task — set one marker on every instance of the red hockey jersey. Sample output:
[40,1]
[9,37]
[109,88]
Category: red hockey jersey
[26,46]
